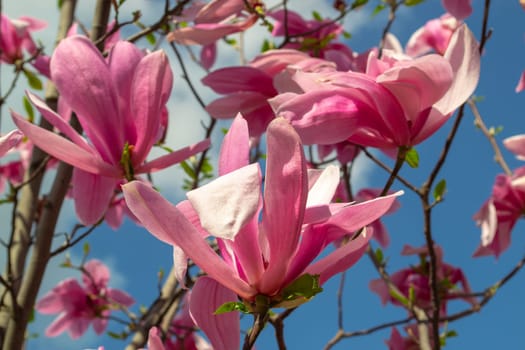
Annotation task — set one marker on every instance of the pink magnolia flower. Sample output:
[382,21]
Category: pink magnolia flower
[410,342]
[296,224]
[452,282]
[212,21]
[9,141]
[119,102]
[79,306]
[434,35]
[499,214]
[248,88]
[399,102]
[16,37]
[460,9]
[312,36]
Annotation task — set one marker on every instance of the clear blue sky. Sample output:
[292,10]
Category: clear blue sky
[470,171]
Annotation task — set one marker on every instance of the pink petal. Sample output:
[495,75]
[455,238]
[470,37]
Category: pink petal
[167,223]
[242,102]
[97,274]
[356,216]
[516,144]
[521,83]
[234,79]
[150,91]
[235,149]
[9,141]
[222,330]
[83,79]
[208,56]
[172,158]
[59,325]
[463,55]
[65,150]
[122,61]
[92,194]
[324,188]
[285,195]
[120,297]
[229,202]
[154,341]
[341,259]
[460,9]
[320,117]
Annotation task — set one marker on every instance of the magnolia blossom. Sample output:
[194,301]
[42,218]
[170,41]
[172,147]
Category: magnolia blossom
[410,342]
[248,88]
[79,305]
[399,102]
[212,21]
[268,241]
[500,212]
[452,283]
[120,102]
[16,37]
[434,35]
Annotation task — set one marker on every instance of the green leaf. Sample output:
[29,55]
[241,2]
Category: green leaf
[379,255]
[231,306]
[412,158]
[207,168]
[59,3]
[121,2]
[187,169]
[413,2]
[358,3]
[402,299]
[451,334]
[347,35]
[300,291]
[230,41]
[85,249]
[29,109]
[150,37]
[267,45]
[116,335]
[31,316]
[317,16]
[33,80]
[378,9]
[440,190]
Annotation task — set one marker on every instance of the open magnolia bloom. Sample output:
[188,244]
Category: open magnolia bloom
[120,104]
[399,102]
[80,305]
[267,242]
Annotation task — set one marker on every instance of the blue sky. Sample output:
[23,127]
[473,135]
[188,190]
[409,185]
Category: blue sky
[134,256]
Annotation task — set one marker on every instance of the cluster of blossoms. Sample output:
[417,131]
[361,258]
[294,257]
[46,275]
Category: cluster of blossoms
[271,231]
[79,306]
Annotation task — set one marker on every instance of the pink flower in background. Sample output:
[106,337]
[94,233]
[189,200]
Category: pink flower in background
[248,88]
[451,280]
[120,103]
[296,223]
[460,9]
[16,37]
[500,213]
[211,22]
[79,305]
[434,35]
[410,342]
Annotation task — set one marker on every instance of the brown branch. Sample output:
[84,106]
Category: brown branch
[478,121]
